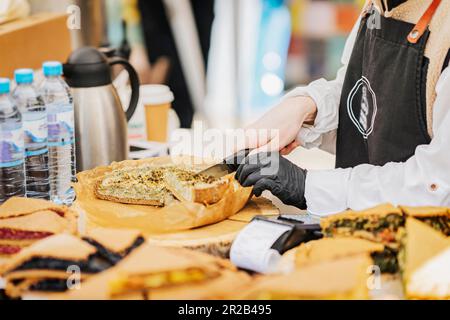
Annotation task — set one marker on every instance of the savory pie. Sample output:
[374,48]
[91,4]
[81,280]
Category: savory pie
[339,279]
[150,268]
[436,217]
[114,244]
[157,186]
[45,266]
[328,249]
[380,224]
[25,221]
[420,244]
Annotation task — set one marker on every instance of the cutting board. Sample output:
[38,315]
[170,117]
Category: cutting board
[215,238]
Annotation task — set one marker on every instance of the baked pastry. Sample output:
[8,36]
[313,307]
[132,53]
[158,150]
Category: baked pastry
[114,244]
[329,249]
[141,185]
[189,186]
[25,221]
[380,224]
[421,245]
[344,278]
[432,279]
[45,266]
[157,185]
[151,268]
[436,217]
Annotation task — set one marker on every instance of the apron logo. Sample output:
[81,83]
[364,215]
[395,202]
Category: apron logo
[367,105]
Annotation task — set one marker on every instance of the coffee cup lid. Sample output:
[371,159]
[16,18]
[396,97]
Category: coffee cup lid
[156,94]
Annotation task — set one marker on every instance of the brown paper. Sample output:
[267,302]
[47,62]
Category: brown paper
[152,220]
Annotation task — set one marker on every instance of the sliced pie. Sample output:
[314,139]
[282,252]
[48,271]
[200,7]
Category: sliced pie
[150,268]
[344,278]
[421,244]
[47,265]
[432,279]
[157,186]
[135,185]
[190,186]
[380,224]
[114,244]
[436,217]
[25,221]
[328,249]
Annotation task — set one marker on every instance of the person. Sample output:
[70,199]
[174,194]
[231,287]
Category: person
[386,116]
[161,44]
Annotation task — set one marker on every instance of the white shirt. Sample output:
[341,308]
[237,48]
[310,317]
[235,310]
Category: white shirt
[423,180]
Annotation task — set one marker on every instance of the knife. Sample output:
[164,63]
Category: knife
[227,166]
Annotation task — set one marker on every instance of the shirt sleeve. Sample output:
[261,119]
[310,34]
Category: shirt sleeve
[326,95]
[423,180]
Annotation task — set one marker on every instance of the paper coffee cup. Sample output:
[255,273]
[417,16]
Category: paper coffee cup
[157,101]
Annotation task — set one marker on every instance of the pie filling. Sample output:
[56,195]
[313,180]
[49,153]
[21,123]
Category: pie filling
[439,223]
[12,234]
[9,250]
[114,257]
[50,285]
[386,260]
[383,229]
[127,284]
[93,264]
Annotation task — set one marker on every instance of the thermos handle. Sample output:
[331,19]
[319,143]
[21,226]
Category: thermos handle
[134,81]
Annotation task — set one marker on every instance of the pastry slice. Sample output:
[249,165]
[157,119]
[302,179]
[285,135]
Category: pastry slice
[432,279]
[329,249]
[340,279]
[16,206]
[380,224]
[21,231]
[135,185]
[114,244]
[150,268]
[421,244]
[224,286]
[190,186]
[436,217]
[47,265]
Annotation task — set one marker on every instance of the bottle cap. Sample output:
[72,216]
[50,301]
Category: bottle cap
[4,85]
[23,76]
[52,68]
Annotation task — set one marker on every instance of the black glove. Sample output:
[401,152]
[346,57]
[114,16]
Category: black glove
[271,171]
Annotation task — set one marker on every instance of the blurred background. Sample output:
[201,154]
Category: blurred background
[227,61]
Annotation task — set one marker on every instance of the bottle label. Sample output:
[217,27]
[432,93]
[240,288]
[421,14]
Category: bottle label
[35,131]
[12,147]
[61,127]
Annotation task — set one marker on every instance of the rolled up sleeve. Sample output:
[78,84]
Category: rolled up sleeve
[423,180]
[326,95]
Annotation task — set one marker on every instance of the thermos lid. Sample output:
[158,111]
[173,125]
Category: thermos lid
[87,67]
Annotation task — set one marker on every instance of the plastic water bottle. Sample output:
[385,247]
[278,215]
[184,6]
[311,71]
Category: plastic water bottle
[12,175]
[61,138]
[34,115]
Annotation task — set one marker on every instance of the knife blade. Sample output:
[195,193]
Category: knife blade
[227,166]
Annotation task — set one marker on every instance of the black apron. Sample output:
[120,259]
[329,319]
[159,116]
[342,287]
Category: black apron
[382,113]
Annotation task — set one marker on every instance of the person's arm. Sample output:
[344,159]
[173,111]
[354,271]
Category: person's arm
[424,179]
[326,95]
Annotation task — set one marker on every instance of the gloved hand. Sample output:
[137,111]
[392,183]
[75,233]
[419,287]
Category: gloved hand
[270,171]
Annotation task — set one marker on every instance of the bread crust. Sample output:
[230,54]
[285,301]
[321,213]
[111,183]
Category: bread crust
[210,195]
[125,200]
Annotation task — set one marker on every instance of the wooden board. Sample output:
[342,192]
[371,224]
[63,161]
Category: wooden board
[214,238]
